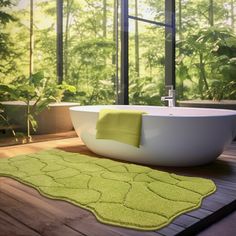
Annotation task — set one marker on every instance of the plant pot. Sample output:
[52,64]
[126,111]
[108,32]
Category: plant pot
[54,119]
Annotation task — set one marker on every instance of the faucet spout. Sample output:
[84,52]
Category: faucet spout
[171,96]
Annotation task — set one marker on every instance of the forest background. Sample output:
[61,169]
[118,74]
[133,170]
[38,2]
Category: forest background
[205,48]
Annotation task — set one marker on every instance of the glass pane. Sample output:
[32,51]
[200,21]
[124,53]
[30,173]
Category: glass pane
[146,63]
[148,9]
[206,50]
[14,30]
[89,50]
[45,38]
[15,61]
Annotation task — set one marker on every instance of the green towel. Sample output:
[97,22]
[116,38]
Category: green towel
[121,125]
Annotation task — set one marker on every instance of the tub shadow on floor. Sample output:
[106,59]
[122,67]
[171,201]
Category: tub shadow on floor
[217,169]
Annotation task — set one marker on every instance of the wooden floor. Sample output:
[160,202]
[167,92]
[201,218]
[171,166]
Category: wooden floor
[23,211]
[9,140]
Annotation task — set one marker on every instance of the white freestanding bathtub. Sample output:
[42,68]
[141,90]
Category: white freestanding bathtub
[170,136]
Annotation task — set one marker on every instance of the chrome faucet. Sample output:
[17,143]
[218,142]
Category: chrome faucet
[171,96]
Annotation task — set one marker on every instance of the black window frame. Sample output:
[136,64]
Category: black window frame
[170,41]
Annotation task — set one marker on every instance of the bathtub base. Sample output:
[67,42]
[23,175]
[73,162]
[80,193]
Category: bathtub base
[143,155]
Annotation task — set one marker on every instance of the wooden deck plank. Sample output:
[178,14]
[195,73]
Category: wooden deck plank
[90,226]
[207,221]
[59,209]
[185,221]
[10,226]
[36,219]
[200,213]
[28,210]
[171,230]
[75,217]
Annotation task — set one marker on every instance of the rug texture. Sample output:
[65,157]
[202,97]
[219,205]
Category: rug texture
[117,193]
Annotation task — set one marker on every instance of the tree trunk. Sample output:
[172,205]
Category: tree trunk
[114,30]
[114,56]
[104,21]
[104,27]
[28,138]
[69,4]
[59,49]
[180,21]
[136,41]
[31,61]
[203,80]
[232,13]
[211,13]
[181,83]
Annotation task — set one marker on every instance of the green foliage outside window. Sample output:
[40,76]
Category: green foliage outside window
[205,52]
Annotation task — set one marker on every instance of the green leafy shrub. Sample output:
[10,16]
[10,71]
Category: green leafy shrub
[37,92]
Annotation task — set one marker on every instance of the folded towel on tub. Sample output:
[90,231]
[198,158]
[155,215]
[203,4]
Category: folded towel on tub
[120,125]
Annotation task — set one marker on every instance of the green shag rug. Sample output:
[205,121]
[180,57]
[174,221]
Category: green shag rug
[120,194]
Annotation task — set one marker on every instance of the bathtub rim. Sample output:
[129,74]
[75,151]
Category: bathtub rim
[219,112]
